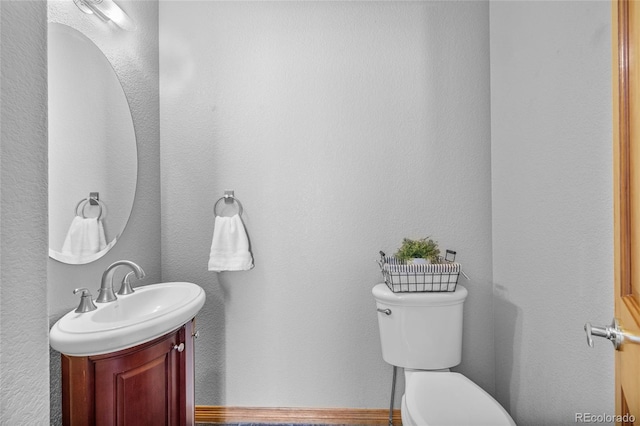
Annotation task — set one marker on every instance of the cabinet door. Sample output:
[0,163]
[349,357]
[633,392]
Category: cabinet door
[141,387]
[150,384]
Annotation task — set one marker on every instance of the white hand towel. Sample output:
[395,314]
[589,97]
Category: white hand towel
[85,236]
[230,245]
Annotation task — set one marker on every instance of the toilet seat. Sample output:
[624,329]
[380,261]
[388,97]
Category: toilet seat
[449,399]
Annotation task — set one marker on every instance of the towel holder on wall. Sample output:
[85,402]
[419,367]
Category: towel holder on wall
[94,200]
[229,198]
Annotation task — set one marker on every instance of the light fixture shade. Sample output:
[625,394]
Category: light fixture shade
[107,10]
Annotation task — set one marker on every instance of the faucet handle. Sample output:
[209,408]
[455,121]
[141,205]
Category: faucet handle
[86,303]
[126,288]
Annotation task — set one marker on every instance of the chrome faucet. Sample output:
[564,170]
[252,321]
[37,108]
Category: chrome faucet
[106,293]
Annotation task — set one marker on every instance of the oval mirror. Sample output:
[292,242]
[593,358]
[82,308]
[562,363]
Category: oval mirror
[92,149]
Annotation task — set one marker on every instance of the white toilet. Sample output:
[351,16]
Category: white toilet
[422,332]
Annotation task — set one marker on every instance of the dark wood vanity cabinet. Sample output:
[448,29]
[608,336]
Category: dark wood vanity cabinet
[149,384]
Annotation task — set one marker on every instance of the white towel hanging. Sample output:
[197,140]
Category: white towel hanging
[230,245]
[85,237]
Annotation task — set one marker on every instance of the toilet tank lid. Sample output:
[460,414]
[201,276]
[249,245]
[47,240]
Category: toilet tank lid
[383,294]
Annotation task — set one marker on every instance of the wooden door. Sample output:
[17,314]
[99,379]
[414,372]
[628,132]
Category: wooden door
[626,128]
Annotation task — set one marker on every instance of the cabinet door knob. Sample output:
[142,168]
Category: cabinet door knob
[179,347]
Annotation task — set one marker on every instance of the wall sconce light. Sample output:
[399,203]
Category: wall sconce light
[107,10]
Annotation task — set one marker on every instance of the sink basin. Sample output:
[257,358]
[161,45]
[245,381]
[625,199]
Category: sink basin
[150,312]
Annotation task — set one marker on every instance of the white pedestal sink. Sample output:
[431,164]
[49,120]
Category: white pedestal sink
[150,312]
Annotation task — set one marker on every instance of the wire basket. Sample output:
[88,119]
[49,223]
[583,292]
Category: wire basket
[401,277]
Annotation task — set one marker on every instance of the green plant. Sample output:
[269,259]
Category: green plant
[424,248]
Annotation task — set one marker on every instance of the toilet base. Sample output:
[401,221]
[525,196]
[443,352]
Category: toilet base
[404,414]
[448,399]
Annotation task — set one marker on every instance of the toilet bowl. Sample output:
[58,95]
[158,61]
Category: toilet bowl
[448,399]
[422,333]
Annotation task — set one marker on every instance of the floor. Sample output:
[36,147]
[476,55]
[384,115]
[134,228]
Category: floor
[264,424]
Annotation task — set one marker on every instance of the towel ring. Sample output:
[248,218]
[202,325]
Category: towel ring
[226,198]
[86,201]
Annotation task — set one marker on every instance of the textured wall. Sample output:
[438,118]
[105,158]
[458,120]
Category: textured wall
[328,120]
[24,361]
[343,127]
[552,207]
[134,56]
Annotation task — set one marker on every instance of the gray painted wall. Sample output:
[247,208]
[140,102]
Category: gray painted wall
[552,207]
[551,184]
[343,127]
[24,360]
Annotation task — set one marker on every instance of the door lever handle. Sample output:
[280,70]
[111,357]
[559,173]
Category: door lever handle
[611,332]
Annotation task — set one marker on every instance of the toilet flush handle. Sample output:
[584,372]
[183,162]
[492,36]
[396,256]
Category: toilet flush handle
[384,311]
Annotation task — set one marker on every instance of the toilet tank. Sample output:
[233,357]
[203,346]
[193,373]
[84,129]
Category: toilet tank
[423,330]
